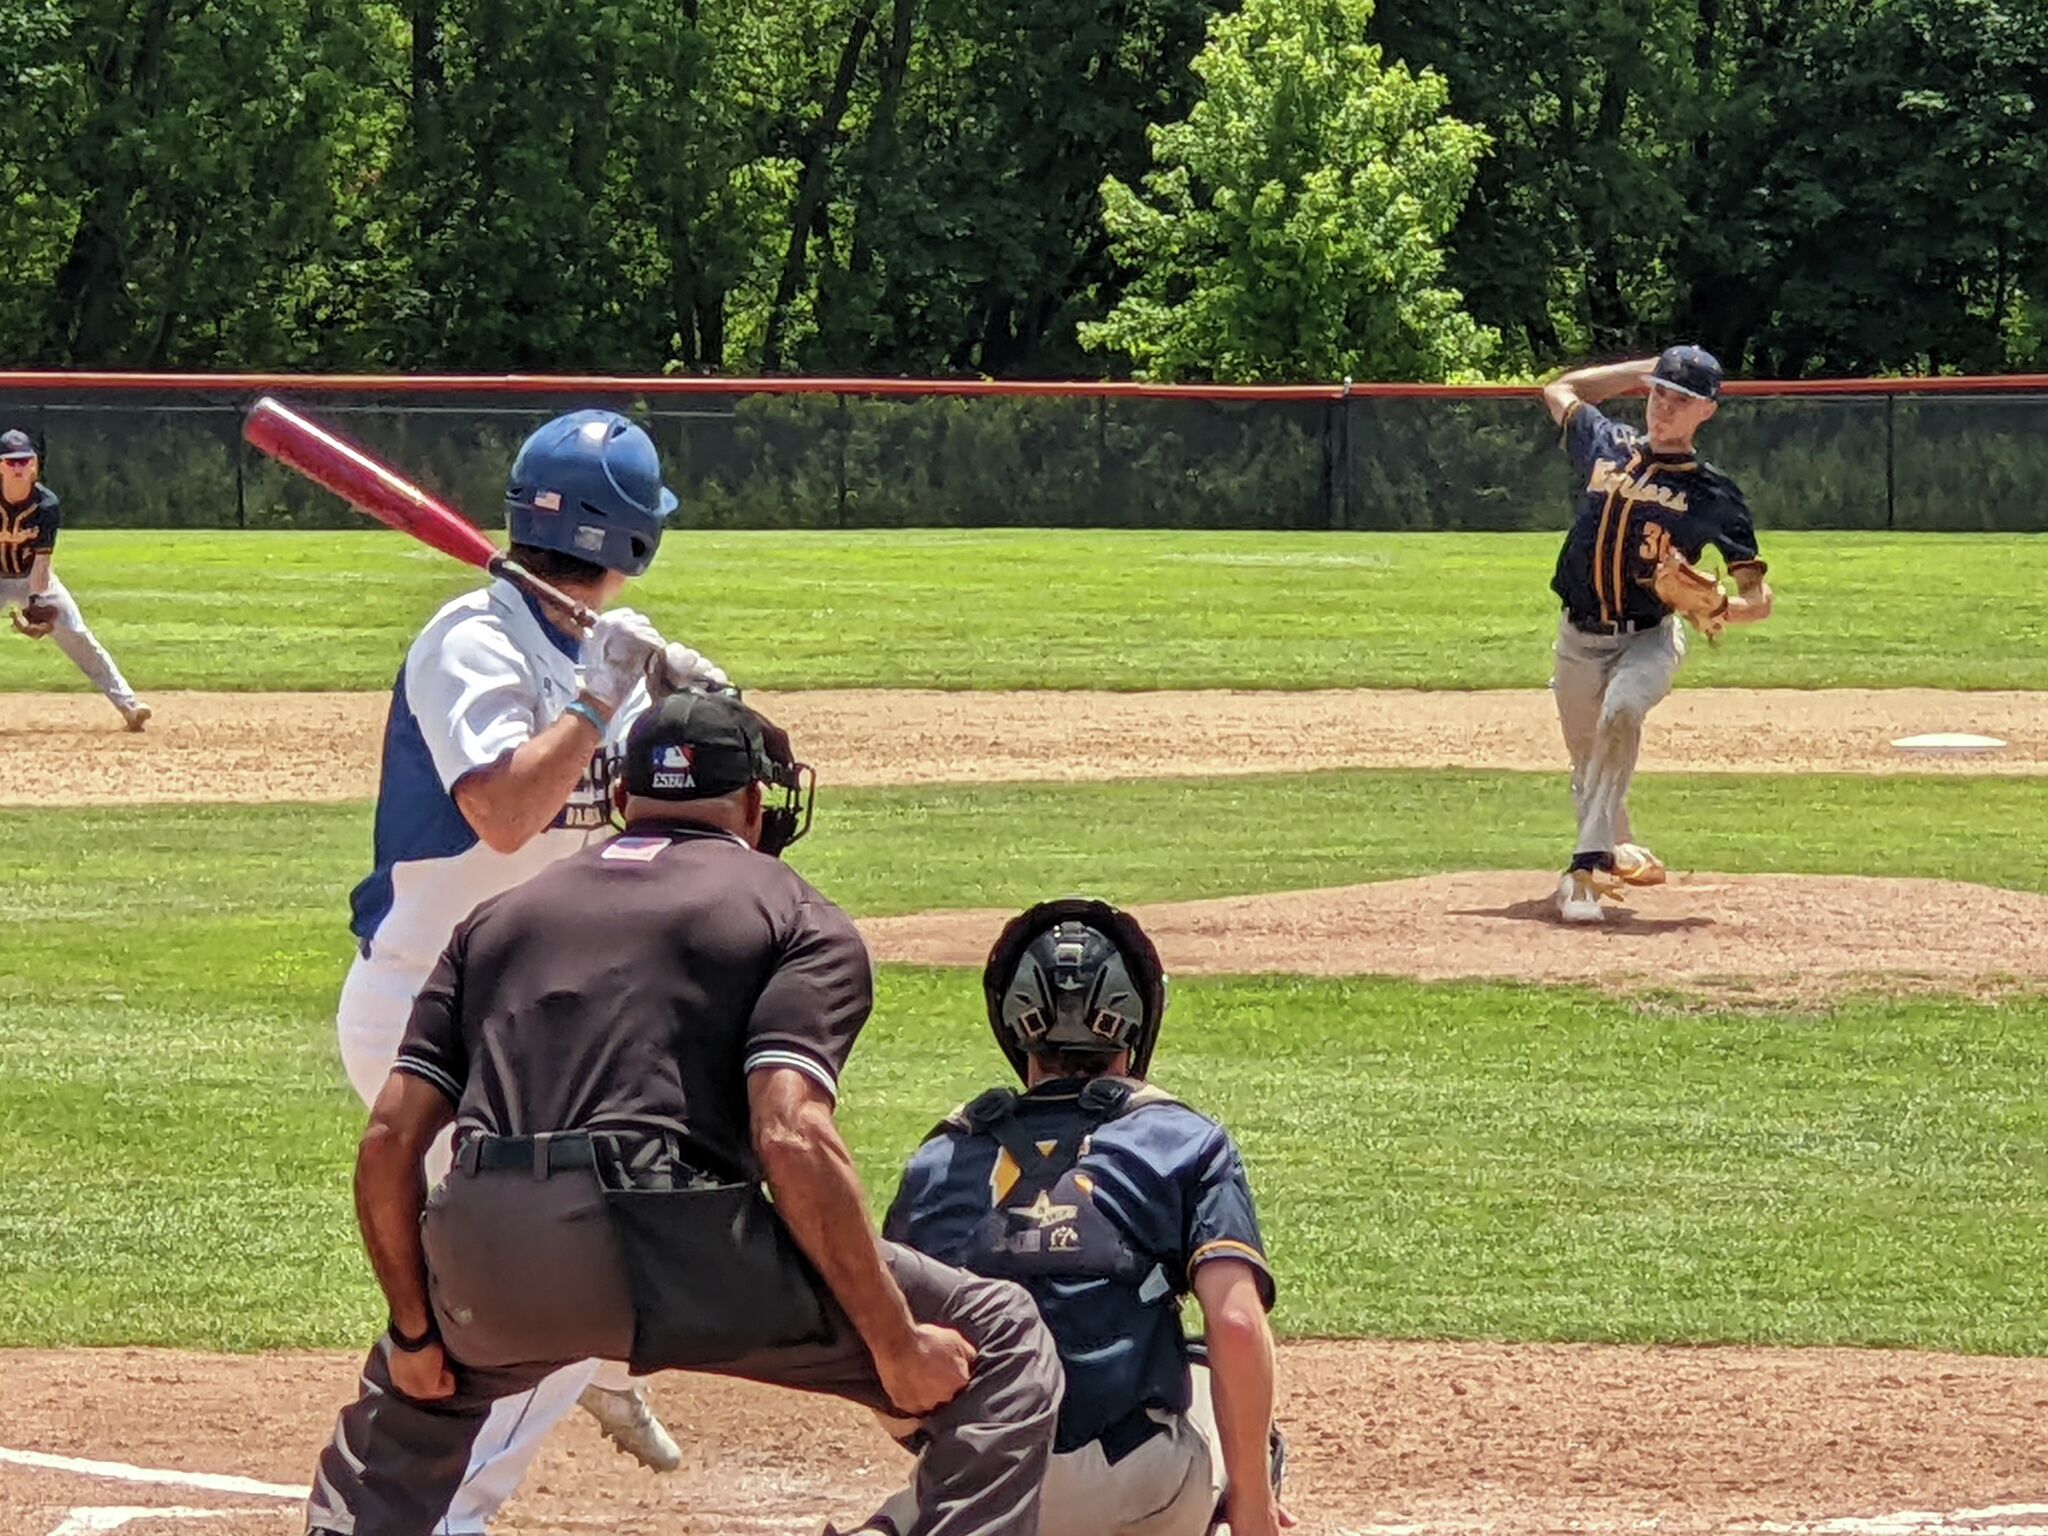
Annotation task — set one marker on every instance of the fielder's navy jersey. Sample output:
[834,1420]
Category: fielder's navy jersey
[27,530]
[1165,1185]
[1631,504]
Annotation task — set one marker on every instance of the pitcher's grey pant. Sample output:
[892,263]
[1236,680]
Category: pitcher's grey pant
[1605,685]
[74,639]
[527,1275]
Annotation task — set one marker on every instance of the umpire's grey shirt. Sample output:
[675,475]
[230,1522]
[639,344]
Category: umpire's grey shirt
[632,987]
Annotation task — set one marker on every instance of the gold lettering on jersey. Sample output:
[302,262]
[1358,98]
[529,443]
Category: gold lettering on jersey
[1046,1214]
[1611,479]
[1656,541]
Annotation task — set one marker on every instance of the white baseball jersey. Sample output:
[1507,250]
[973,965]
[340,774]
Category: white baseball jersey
[486,675]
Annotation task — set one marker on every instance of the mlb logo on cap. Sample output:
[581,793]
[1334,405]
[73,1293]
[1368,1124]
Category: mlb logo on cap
[675,768]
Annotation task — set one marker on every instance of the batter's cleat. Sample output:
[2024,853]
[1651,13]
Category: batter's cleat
[135,715]
[1636,865]
[630,1425]
[1578,898]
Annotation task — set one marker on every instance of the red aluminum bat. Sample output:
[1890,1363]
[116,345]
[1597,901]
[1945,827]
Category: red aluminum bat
[332,461]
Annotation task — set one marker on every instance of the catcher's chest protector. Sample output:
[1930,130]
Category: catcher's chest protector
[1045,1222]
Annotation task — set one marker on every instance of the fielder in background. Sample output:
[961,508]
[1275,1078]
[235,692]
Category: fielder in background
[1645,508]
[28,534]
[492,770]
[630,1045]
[1111,1202]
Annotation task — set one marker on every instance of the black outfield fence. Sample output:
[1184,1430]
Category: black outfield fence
[166,451]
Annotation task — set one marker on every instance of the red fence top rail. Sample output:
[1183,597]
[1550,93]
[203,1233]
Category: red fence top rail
[539,383]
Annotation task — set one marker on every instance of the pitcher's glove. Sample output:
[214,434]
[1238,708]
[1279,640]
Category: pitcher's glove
[1690,593]
[37,618]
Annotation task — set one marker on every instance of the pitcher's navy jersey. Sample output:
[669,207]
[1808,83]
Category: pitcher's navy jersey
[1630,504]
[1155,1193]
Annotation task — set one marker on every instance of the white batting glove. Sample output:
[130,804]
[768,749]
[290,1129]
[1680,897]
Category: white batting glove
[616,654]
[676,667]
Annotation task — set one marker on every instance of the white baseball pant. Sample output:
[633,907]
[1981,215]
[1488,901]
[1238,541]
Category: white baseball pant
[74,639]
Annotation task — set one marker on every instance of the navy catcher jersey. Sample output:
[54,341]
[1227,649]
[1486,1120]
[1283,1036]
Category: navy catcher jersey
[1108,1250]
[27,530]
[1631,504]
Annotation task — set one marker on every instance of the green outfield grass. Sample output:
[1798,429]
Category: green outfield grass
[1060,609]
[1447,1160]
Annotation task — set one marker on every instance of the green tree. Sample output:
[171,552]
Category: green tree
[1293,223]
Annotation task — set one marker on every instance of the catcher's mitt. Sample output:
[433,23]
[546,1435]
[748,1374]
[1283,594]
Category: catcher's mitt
[1690,593]
[37,618]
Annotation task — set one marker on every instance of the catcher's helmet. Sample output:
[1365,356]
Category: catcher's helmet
[588,484]
[1075,975]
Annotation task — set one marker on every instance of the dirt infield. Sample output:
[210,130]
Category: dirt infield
[1430,1440]
[1768,937]
[67,749]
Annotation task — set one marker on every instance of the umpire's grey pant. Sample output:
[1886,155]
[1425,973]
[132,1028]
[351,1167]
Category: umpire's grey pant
[527,1276]
[1605,685]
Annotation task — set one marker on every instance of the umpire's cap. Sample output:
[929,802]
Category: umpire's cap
[1075,975]
[1687,370]
[696,746]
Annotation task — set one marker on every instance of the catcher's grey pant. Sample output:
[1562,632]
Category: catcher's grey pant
[1169,1486]
[530,1269]
[74,639]
[1605,685]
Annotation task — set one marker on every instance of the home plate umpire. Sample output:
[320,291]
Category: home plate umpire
[631,1045]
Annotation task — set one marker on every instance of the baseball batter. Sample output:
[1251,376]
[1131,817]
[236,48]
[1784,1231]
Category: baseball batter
[1111,1202]
[491,772]
[29,517]
[1646,507]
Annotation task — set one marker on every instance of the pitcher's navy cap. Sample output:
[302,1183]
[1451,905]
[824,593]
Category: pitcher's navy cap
[17,446]
[1690,371]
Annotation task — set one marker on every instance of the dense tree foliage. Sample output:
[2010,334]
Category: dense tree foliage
[961,186]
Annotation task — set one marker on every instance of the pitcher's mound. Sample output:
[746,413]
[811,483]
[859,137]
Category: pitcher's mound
[1777,936]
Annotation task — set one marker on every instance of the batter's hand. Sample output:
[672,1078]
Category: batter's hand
[616,654]
[928,1372]
[677,667]
[422,1374]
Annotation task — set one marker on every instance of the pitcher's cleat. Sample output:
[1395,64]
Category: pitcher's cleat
[630,1424]
[1578,899]
[1636,865]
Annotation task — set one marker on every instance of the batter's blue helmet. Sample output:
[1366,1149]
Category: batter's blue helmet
[588,484]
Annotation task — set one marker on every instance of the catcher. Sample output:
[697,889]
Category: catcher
[1111,1202]
[1646,507]
[28,534]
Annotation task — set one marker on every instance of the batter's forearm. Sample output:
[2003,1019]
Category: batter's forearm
[519,796]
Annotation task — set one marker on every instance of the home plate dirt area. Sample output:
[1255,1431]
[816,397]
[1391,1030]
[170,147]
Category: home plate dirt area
[1425,1439]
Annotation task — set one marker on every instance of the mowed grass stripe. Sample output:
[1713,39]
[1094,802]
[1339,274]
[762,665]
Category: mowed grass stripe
[1455,1161]
[1059,608]
[116,888]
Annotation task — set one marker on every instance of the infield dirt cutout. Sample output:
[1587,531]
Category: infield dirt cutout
[1426,1439]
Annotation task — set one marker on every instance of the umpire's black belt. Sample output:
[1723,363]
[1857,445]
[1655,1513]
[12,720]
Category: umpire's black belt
[549,1152]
